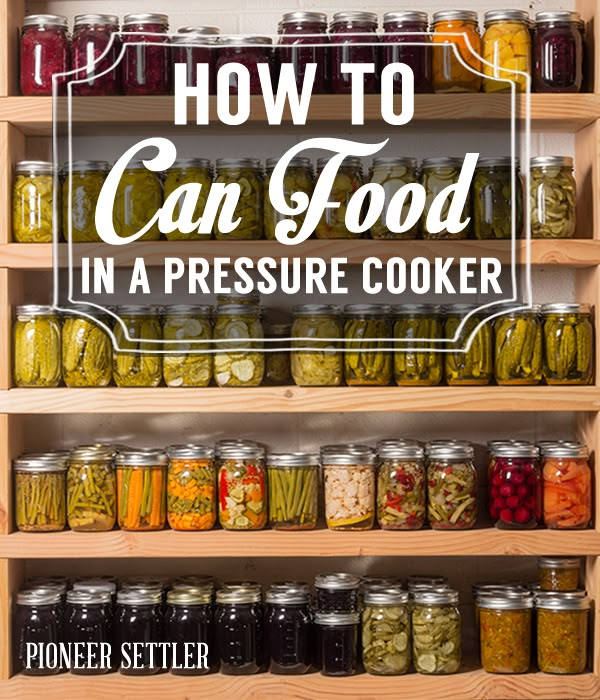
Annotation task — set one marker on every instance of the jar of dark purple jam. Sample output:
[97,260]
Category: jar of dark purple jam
[558,52]
[188,620]
[89,620]
[299,32]
[238,632]
[138,620]
[95,48]
[337,592]
[337,643]
[351,31]
[193,46]
[38,620]
[288,631]
[44,51]
[249,51]
[146,63]
[400,30]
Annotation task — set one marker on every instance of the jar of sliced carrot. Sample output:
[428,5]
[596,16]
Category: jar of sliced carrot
[141,489]
[191,487]
[567,486]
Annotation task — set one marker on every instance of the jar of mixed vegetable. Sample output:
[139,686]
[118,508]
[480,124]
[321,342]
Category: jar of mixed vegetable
[247,173]
[354,38]
[568,343]
[95,51]
[191,487]
[86,348]
[505,632]
[36,346]
[515,487]
[401,487]
[134,363]
[139,196]
[238,334]
[32,202]
[91,490]
[367,332]
[293,489]
[44,51]
[391,174]
[558,52]
[337,643]
[436,631]
[436,175]
[518,347]
[316,358]
[451,488]
[497,199]
[458,30]
[400,30]
[386,632]
[416,363]
[278,369]
[242,487]
[300,36]
[562,631]
[249,51]
[189,171]
[559,573]
[81,188]
[552,197]
[567,480]
[347,180]
[141,489]
[189,362]
[298,177]
[146,57]
[336,592]
[40,492]
[471,364]
[507,47]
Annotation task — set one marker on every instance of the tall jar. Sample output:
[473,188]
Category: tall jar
[88,626]
[401,487]
[507,46]
[33,198]
[95,50]
[386,632]
[249,51]
[189,621]
[299,33]
[366,362]
[436,175]
[40,493]
[558,52]
[472,366]
[36,346]
[416,363]
[86,348]
[191,487]
[436,625]
[347,180]
[567,483]
[552,197]
[293,490]
[186,171]
[518,347]
[278,371]
[562,633]
[568,343]
[354,38]
[139,196]
[238,632]
[336,592]
[242,487]
[247,173]
[133,362]
[193,46]
[38,619]
[449,73]
[392,174]
[505,632]
[298,177]
[288,632]
[337,643]
[317,359]
[141,489]
[189,362]
[44,51]
[239,342]
[400,29]
[82,185]
[452,488]
[91,490]
[138,620]
[497,204]
[146,63]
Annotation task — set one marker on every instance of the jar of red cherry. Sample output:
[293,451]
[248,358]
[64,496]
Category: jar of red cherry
[558,52]
[44,51]
[146,64]
[356,33]
[299,32]
[249,51]
[194,45]
[400,32]
[515,486]
[94,52]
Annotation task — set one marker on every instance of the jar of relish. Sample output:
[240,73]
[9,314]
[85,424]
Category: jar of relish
[88,620]
[195,45]
[188,620]
[288,631]
[95,50]
[401,31]
[299,33]
[452,487]
[515,487]
[354,35]
[558,52]
[249,51]
[44,51]
[146,62]
[401,487]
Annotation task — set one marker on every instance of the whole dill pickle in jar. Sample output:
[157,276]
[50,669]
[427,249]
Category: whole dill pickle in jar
[493,197]
[239,341]
[247,174]
[318,360]
[436,175]
[86,350]
[298,177]
[518,347]
[188,363]
[392,174]
[139,196]
[568,344]
[366,331]
[187,171]
[36,346]
[417,364]
[552,197]
[130,366]
[32,202]
[347,180]
[473,366]
[81,193]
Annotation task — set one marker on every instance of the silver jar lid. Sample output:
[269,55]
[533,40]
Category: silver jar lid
[241,451]
[551,162]
[417,310]
[38,596]
[451,15]
[557,16]
[426,581]
[566,308]
[113,20]
[95,584]
[137,310]
[234,442]
[35,310]
[157,583]
[559,562]
[366,310]
[303,16]
[141,458]
[34,167]
[447,596]
[354,16]
[187,310]
[497,601]
[515,451]
[237,310]
[301,586]
[85,166]
[566,450]
[293,459]
[241,585]
[337,582]
[46,20]
[442,162]
[185,597]
[316,310]
[232,596]
[91,453]
[206,29]
[86,597]
[497,162]
[460,309]
[238,163]
[138,596]
[195,580]
[298,162]
[580,593]
[42,463]
[189,452]
[348,455]
[182,163]
[560,602]
[383,443]
[505,16]
[395,162]
[278,330]
[405,16]
[450,451]
[491,444]
[401,452]
[287,597]
[335,619]
[246,40]
[146,18]
[383,596]
[349,162]
[54,583]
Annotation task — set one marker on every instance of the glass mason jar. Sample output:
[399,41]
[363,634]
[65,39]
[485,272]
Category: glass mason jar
[414,366]
[401,487]
[399,30]
[507,46]
[366,363]
[288,631]
[186,171]
[567,483]
[337,643]
[189,620]
[559,574]
[249,51]
[81,188]
[518,347]
[293,490]
[187,364]
[347,180]
[552,197]
[139,196]
[436,175]
[298,177]
[88,621]
[133,363]
[354,38]
[247,173]
[452,488]
[38,619]
[86,348]
[568,344]
[32,202]
[238,326]
[40,488]
[317,362]
[138,620]
[386,632]
[436,627]
[91,490]
[146,63]
[558,51]
[242,487]
[299,32]
[497,206]
[36,346]
[392,174]
[505,632]
[191,487]
[193,46]
[141,489]
[473,366]
[238,632]
[336,592]
[449,73]
[562,631]
[95,49]
[349,480]
[278,371]
[44,51]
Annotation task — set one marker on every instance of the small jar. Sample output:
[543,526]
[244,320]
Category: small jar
[95,52]
[133,363]
[337,643]
[44,51]
[436,175]
[392,174]
[450,74]
[191,487]
[146,63]
[189,362]
[189,620]
[474,366]
[299,34]
[507,47]
[238,632]
[40,488]
[293,490]
[317,362]
[401,488]
[141,489]
[347,180]
[91,490]
[36,346]
[436,624]
[138,620]
[139,196]
[278,370]
[505,632]
[249,51]
[298,177]
[242,487]
[452,488]
[238,363]
[336,593]
[568,343]
[367,362]
[38,620]
[497,204]
[552,197]
[518,347]
[354,40]
[400,29]
[349,485]
[559,574]
[82,183]
[558,52]
[186,171]
[567,483]
[288,632]
[193,46]
[88,621]
[247,173]
[416,363]
[32,202]
[86,348]
[386,632]
[562,633]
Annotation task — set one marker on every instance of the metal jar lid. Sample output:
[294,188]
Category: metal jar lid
[566,450]
[298,162]
[133,596]
[557,16]
[85,166]
[206,29]
[96,584]
[141,458]
[301,586]
[349,162]
[505,16]
[287,597]
[348,455]
[156,583]
[560,602]
[334,619]
[496,601]
[395,162]
[442,162]
[454,15]
[417,310]
[316,310]
[234,442]
[241,585]
[354,16]
[574,595]
[182,163]
[337,582]
[38,596]
[237,310]
[366,310]
[497,162]
[113,20]
[238,162]
[189,452]
[135,310]
[405,16]
[278,330]
[34,167]
[42,463]
[146,18]
[88,597]
[401,452]
[54,583]
[230,596]
[189,310]
[302,17]
[491,444]
[293,459]
[515,451]
[559,562]
[425,581]
[439,596]
[35,310]
[241,451]
[450,451]
[566,308]
[91,453]
[195,580]
[185,597]
[383,596]
[395,442]
[245,41]
[46,20]
[551,161]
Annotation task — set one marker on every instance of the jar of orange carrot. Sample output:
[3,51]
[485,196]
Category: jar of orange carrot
[141,489]
[191,487]
[567,486]
[456,64]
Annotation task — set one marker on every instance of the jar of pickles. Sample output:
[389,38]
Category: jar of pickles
[247,173]
[193,46]
[416,363]
[95,50]
[40,493]
[336,592]
[141,489]
[36,346]
[436,627]
[354,39]
[560,574]
[436,175]
[44,52]
[568,343]
[32,202]
[191,487]
[88,621]
[558,52]
[518,347]
[567,480]
[337,643]
[238,334]
[135,330]
[91,490]
[392,174]
[288,631]
[505,632]
[298,177]
[562,633]
[451,487]
[242,487]
[138,620]
[317,359]
[552,197]
[278,371]
[83,182]
[293,488]
[400,30]
[367,332]
[401,487]
[456,30]
[187,171]
[347,180]
[506,49]
[146,58]
[472,363]
[38,619]
[238,632]
[189,362]
[189,620]
[300,34]
[86,348]
[386,632]
[497,200]
[249,51]
[139,196]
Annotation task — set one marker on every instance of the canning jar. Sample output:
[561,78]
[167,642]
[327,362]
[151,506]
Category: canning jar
[515,487]
[436,627]
[505,632]
[138,620]
[497,204]
[38,620]
[36,346]
[567,479]
[82,183]
[559,574]
[558,51]
[436,175]
[189,621]
[40,493]
[238,334]
[238,632]
[44,52]
[416,363]
[456,29]
[133,363]
[336,592]
[317,359]
[91,490]
[452,488]
[299,34]
[337,643]
[193,46]
[386,632]
[400,29]
[141,489]
[95,51]
[562,631]
[138,197]
[248,51]
[288,631]
[298,177]
[89,625]
[472,366]
[33,198]
[188,171]
[518,347]
[146,62]
[242,487]
[348,178]
[552,197]
[401,487]
[278,369]
[349,480]
[189,362]
[367,332]
[354,39]
[247,173]
[293,488]
[392,174]
[507,47]
[86,348]
[568,343]
[420,582]
[191,487]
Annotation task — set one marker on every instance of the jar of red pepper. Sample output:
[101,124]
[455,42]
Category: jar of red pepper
[451,486]
[401,31]
[300,31]
[356,33]
[146,63]
[401,487]
[250,51]
[44,51]
[94,52]
[558,52]
[194,45]
[242,487]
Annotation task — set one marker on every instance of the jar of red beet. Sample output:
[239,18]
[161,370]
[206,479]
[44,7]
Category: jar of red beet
[299,32]
[356,32]
[44,51]
[557,52]
[249,51]
[94,52]
[515,487]
[146,63]
[401,30]
[194,45]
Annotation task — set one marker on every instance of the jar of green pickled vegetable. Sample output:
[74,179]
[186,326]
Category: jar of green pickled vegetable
[568,343]
[293,487]
[239,341]
[40,504]
[552,197]
[392,174]
[317,359]
[559,574]
[401,487]
[367,332]
[436,175]
[134,363]
[86,348]
[189,171]
[497,205]
[247,173]
[81,189]
[386,632]
[188,362]
[416,363]
[278,369]
[470,364]
[139,196]
[242,487]
[32,202]
[505,632]
[141,489]
[518,347]
[436,631]
[347,180]
[451,487]
[298,178]
[562,632]
[91,490]
[36,346]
